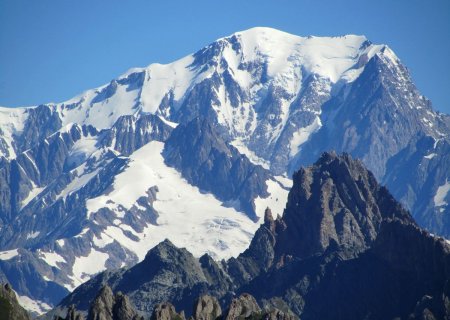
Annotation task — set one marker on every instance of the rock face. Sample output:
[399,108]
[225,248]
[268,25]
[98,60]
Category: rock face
[130,133]
[166,311]
[243,307]
[166,274]
[10,308]
[207,161]
[392,273]
[107,306]
[343,242]
[336,200]
[373,120]
[23,269]
[354,270]
[207,308]
[418,177]
[72,314]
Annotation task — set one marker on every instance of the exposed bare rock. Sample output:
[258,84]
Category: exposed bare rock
[166,311]
[243,307]
[108,306]
[207,308]
[10,308]
[278,315]
[206,160]
[72,314]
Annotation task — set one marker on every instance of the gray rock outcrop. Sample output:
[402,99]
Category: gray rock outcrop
[207,308]
[108,306]
[10,308]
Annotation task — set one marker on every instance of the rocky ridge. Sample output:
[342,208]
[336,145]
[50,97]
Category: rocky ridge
[106,306]
[10,308]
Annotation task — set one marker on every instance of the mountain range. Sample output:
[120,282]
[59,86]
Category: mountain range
[196,150]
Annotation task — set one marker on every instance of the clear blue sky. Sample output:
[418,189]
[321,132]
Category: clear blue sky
[52,50]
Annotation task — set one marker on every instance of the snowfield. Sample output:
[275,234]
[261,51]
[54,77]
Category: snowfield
[188,217]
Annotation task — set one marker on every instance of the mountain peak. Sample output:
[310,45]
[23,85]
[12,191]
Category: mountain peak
[328,199]
[329,57]
[265,33]
[163,247]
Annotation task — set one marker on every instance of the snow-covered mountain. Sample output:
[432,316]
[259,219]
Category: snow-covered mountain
[196,150]
[256,83]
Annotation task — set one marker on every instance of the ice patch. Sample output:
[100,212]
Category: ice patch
[8,254]
[81,150]
[276,201]
[34,192]
[85,267]
[441,194]
[82,233]
[33,235]
[169,123]
[302,135]
[78,182]
[51,258]
[34,306]
[243,149]
[436,141]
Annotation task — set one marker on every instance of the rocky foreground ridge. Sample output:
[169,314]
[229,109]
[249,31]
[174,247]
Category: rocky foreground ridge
[117,307]
[10,308]
[343,249]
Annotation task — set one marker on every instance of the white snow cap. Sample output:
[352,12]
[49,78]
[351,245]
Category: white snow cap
[329,57]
